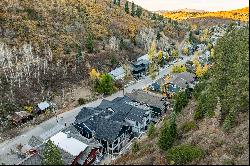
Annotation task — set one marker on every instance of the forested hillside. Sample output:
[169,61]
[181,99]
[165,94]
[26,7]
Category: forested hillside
[47,46]
[213,127]
[239,14]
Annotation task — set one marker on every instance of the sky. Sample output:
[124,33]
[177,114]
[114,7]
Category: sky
[208,5]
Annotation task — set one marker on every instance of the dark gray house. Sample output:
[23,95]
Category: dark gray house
[158,104]
[139,67]
[113,123]
[111,134]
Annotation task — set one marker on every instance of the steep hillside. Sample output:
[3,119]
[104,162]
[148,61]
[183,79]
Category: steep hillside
[239,14]
[47,46]
[214,127]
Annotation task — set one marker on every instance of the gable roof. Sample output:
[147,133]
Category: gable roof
[180,82]
[103,128]
[144,57]
[187,76]
[182,79]
[86,113]
[117,72]
[43,105]
[147,98]
[68,144]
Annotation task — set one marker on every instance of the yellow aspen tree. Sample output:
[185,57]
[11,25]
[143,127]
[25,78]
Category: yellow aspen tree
[212,52]
[160,56]
[185,50]
[199,71]
[94,74]
[152,51]
[205,69]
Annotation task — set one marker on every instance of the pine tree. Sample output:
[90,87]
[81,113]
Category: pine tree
[126,7]
[167,134]
[118,2]
[133,9]
[79,55]
[151,130]
[89,43]
[153,16]
[158,36]
[135,147]
[138,11]
[51,155]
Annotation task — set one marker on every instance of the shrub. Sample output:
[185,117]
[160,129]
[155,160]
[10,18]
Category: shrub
[168,134]
[206,104]
[228,162]
[187,126]
[105,84]
[151,130]
[82,101]
[228,122]
[179,69]
[180,101]
[182,154]
[135,147]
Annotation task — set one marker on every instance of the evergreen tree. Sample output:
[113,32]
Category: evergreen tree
[51,155]
[118,2]
[153,17]
[89,43]
[158,36]
[167,134]
[133,9]
[138,11]
[151,130]
[126,7]
[173,125]
[135,147]
[79,55]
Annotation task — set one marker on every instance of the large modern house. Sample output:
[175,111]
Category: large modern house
[158,104]
[113,123]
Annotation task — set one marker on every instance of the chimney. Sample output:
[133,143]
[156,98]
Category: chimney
[93,134]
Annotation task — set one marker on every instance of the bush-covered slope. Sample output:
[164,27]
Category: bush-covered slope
[46,46]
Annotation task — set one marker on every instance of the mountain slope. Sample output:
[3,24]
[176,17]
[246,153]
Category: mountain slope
[48,47]
[238,14]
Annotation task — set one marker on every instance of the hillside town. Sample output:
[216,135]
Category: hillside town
[99,133]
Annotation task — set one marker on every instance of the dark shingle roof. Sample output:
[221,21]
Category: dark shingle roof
[104,128]
[105,104]
[187,76]
[136,114]
[86,113]
[180,82]
[147,98]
